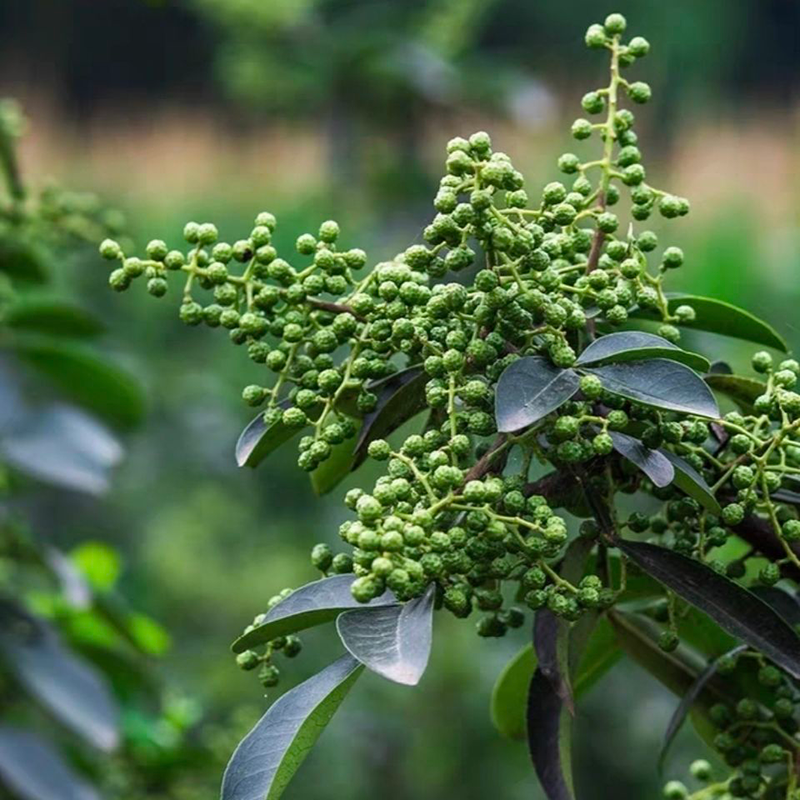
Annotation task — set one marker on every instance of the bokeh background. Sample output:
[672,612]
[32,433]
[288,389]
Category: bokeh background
[214,110]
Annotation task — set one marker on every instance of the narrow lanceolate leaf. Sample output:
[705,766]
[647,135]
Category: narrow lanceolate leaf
[659,383]
[624,346]
[313,604]
[258,439]
[688,700]
[742,390]
[787,604]
[508,702]
[691,482]
[732,607]
[31,769]
[598,657]
[267,758]
[549,739]
[400,397]
[551,643]
[69,688]
[653,463]
[717,316]
[394,641]
[530,389]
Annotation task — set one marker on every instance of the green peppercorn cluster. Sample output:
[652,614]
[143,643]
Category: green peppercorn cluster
[755,735]
[501,275]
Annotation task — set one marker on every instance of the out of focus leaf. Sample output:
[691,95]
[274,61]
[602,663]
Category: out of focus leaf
[742,390]
[268,757]
[67,686]
[63,446]
[52,317]
[100,564]
[31,769]
[717,316]
[91,381]
[23,260]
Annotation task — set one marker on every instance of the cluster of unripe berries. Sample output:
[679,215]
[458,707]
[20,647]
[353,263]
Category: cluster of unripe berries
[754,735]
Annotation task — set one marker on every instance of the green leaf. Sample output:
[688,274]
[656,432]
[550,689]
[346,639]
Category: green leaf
[743,391]
[508,700]
[394,641]
[331,472]
[91,381]
[52,317]
[63,683]
[653,463]
[258,439]
[313,604]
[507,708]
[400,397]
[717,316]
[23,260]
[268,757]
[99,563]
[636,346]
[31,769]
[692,483]
[659,383]
[529,390]
[733,608]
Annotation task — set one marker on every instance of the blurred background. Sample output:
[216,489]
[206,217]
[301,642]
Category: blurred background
[214,110]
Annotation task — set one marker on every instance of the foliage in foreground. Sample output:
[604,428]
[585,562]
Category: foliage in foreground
[535,348]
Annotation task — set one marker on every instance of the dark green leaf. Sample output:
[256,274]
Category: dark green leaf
[64,684]
[23,260]
[743,391]
[258,439]
[400,397]
[549,727]
[51,316]
[529,390]
[653,463]
[91,381]
[717,316]
[688,700]
[310,605]
[720,368]
[331,472]
[691,482]
[511,688]
[637,346]
[268,757]
[31,769]
[551,643]
[787,604]
[734,608]
[394,641]
[507,707]
[659,383]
